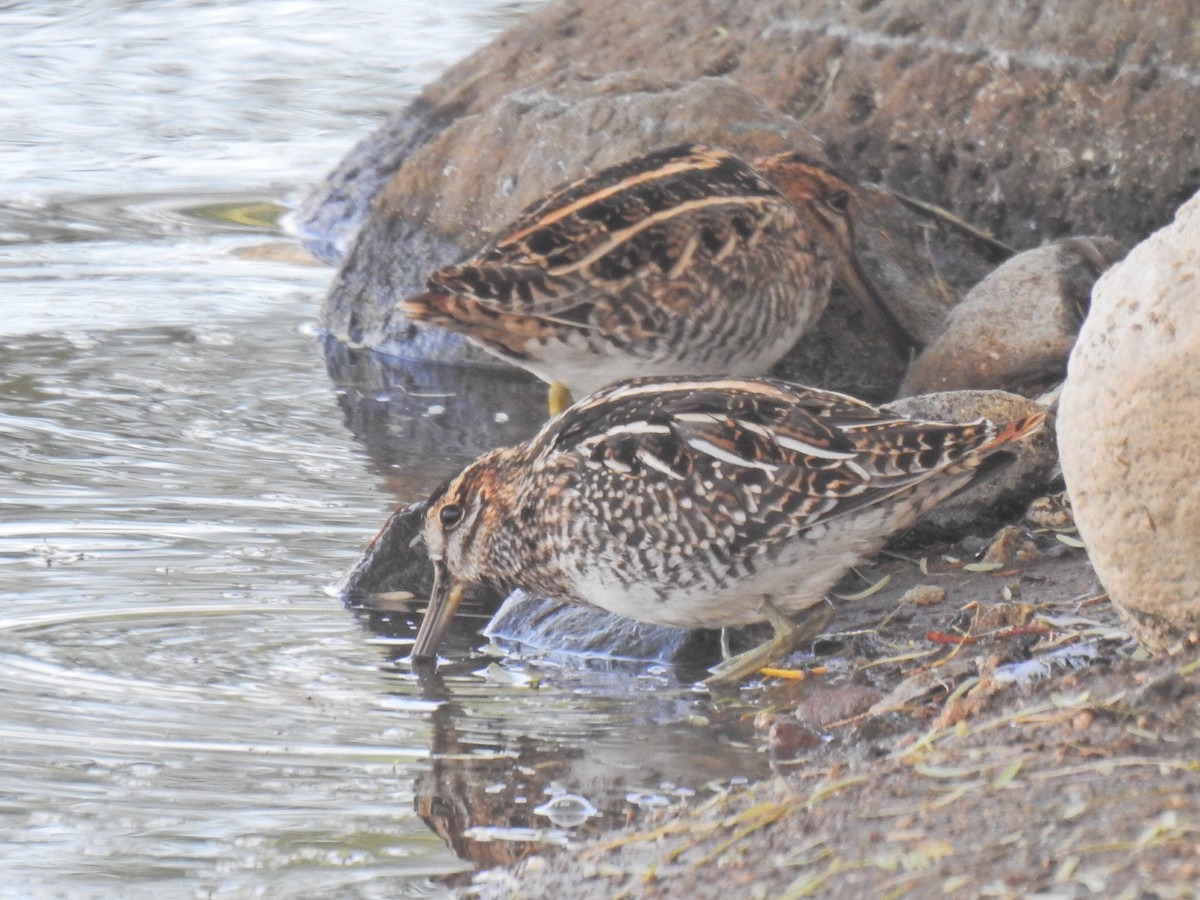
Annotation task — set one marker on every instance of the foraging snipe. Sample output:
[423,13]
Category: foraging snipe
[684,261]
[696,502]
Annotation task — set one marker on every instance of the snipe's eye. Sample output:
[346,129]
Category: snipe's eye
[451,515]
[839,200]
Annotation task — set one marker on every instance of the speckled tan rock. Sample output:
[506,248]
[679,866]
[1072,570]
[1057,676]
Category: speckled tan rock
[1015,329]
[1129,433]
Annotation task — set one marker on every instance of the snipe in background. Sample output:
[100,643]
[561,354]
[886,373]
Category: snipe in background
[684,261]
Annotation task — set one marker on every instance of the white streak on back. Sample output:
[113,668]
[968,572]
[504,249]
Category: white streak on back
[789,443]
[725,456]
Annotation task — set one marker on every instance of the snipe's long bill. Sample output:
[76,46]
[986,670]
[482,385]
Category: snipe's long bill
[694,502]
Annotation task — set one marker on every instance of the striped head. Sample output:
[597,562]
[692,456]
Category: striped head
[829,206]
[465,522]
[831,203]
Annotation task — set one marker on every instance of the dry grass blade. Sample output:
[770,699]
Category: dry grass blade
[863,595]
[763,819]
[653,834]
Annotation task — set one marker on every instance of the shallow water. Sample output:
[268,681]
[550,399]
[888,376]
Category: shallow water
[188,709]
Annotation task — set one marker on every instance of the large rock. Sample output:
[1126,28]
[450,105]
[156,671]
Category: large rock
[1051,119]
[1037,122]
[1129,433]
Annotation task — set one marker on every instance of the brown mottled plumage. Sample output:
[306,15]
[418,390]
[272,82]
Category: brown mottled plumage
[684,261]
[696,502]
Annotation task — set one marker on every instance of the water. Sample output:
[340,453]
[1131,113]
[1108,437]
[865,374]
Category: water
[188,709]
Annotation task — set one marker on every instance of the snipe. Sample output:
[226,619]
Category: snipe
[697,503]
[684,261]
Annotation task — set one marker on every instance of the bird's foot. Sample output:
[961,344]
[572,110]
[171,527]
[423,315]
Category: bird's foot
[788,635]
[559,397]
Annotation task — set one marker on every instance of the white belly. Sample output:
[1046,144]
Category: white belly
[795,576]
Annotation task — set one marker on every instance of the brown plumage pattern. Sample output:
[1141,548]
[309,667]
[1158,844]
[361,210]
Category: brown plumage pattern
[684,261]
[696,502]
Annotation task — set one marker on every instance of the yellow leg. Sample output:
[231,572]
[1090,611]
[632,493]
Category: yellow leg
[788,635]
[559,398]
